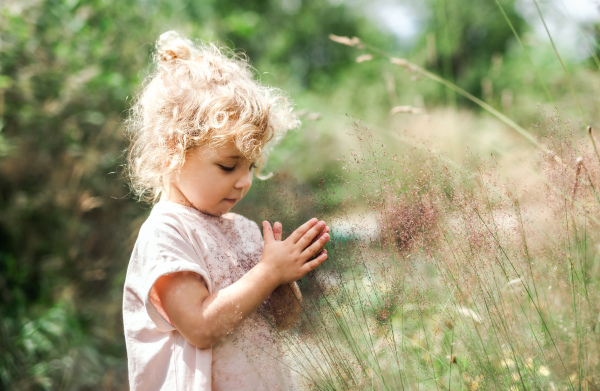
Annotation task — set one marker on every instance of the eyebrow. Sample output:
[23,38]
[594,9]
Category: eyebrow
[231,157]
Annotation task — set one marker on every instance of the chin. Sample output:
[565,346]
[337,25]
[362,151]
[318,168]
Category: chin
[218,213]
[215,213]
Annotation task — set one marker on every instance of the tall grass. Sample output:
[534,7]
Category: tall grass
[469,280]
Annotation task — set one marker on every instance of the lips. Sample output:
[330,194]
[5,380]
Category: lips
[230,200]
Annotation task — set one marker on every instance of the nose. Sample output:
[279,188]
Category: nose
[244,181]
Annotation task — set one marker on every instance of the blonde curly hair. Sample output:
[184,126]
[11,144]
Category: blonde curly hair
[199,94]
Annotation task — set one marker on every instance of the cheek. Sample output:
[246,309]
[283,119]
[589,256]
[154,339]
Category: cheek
[199,186]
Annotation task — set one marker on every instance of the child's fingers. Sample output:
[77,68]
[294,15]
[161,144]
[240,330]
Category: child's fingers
[277,230]
[312,265]
[299,233]
[317,245]
[267,232]
[310,236]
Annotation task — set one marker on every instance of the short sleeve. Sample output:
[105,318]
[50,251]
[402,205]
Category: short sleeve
[163,247]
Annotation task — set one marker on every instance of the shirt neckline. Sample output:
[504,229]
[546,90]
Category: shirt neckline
[229,216]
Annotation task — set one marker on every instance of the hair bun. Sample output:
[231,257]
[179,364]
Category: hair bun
[172,46]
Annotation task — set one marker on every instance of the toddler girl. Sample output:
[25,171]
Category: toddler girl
[198,274]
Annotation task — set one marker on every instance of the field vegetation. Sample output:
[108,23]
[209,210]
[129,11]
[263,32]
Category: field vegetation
[458,170]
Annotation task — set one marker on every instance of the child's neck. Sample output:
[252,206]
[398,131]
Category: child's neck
[172,194]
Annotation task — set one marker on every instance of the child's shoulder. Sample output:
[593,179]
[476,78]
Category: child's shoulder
[168,219]
[168,215]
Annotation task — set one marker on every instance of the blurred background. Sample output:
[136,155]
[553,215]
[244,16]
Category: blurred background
[68,70]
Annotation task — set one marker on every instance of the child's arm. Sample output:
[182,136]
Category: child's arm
[204,319]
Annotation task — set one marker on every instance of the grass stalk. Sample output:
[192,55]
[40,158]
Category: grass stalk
[517,36]
[537,6]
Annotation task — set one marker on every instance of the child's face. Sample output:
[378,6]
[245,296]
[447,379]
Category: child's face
[212,181]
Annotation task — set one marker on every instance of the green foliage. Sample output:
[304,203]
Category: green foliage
[68,70]
[52,350]
[466,38]
[490,51]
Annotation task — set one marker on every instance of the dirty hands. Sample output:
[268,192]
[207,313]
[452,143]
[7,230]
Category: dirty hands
[291,259]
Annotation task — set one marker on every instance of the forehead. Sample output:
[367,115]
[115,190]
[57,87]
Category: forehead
[227,151]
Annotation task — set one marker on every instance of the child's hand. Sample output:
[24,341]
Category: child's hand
[278,232]
[290,260]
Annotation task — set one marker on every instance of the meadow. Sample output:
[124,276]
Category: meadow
[454,265]
[478,276]
[459,174]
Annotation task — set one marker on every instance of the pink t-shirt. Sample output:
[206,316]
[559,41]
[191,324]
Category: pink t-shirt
[222,249]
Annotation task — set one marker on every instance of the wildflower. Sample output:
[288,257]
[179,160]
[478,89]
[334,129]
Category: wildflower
[410,222]
[544,371]
[416,340]
[469,313]
[529,363]
[474,384]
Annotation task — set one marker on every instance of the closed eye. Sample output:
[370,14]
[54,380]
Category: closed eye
[226,168]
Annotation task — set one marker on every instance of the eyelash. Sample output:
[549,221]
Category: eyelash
[229,169]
